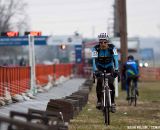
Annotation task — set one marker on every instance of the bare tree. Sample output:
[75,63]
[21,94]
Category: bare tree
[12,15]
[12,18]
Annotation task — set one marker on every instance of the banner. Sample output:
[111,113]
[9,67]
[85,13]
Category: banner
[78,53]
[22,41]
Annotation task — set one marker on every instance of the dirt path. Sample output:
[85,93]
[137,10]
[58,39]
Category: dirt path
[145,116]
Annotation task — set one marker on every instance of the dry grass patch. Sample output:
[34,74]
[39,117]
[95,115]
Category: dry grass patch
[147,112]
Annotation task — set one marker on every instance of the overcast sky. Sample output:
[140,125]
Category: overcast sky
[59,17]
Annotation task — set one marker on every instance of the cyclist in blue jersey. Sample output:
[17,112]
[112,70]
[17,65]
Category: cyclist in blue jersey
[105,57]
[131,71]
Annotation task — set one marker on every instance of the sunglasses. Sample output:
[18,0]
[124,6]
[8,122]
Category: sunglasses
[102,42]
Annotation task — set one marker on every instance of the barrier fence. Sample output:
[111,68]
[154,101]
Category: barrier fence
[63,69]
[16,80]
[146,74]
[43,71]
[149,74]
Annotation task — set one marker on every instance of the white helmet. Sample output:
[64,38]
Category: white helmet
[103,36]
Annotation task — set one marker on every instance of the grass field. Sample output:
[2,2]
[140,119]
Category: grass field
[145,116]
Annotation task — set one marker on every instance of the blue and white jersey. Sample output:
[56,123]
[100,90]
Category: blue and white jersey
[105,58]
[131,68]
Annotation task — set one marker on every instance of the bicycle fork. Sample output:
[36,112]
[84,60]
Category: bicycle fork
[104,98]
[109,95]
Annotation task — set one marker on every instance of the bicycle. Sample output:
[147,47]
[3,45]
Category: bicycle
[133,92]
[106,99]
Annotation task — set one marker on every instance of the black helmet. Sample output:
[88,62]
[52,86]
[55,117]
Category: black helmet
[103,36]
[130,57]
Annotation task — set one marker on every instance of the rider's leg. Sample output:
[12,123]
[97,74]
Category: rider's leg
[135,80]
[99,89]
[113,105]
[128,82]
[112,93]
[111,86]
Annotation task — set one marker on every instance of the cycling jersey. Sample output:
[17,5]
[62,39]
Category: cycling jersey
[105,59]
[131,68]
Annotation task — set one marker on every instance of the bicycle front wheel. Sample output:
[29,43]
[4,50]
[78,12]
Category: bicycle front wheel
[107,115]
[106,109]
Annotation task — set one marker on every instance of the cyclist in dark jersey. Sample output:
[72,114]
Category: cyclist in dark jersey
[105,57]
[131,72]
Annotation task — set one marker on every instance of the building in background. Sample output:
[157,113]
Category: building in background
[147,57]
[68,47]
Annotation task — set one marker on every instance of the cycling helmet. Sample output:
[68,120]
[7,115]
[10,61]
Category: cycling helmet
[103,36]
[130,57]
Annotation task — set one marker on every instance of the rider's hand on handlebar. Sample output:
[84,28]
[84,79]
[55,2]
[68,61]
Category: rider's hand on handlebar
[97,73]
[116,73]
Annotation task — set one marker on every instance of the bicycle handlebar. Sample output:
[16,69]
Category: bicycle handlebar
[101,74]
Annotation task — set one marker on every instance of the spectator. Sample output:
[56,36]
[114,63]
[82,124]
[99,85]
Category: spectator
[22,62]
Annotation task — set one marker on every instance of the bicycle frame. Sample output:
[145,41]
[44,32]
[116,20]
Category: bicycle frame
[105,88]
[133,96]
[106,98]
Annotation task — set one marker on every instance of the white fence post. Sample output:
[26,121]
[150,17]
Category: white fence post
[116,86]
[32,63]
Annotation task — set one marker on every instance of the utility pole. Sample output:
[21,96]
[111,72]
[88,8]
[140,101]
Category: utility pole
[123,35]
[116,19]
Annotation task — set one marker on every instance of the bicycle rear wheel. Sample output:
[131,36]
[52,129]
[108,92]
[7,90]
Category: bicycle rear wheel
[130,100]
[132,92]
[135,97]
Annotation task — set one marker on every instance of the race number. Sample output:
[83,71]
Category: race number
[115,51]
[94,54]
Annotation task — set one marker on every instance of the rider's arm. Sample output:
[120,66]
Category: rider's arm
[94,65]
[115,58]
[94,55]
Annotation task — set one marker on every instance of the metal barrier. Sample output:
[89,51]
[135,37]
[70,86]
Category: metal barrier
[63,69]
[16,80]
[42,73]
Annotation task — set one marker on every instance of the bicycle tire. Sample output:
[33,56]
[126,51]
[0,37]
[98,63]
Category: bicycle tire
[107,115]
[106,109]
[132,93]
[130,98]
[106,101]
[130,101]
[135,97]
